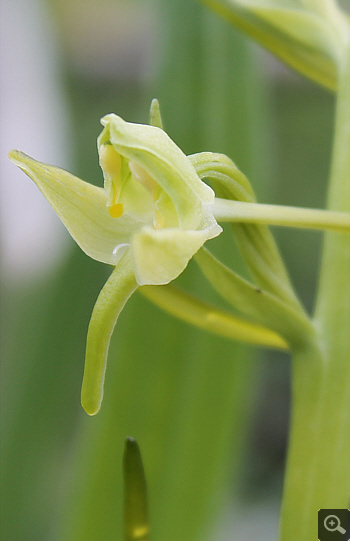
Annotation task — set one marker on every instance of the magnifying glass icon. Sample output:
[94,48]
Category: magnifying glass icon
[332,524]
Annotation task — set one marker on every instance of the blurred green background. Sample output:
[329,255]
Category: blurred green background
[210,415]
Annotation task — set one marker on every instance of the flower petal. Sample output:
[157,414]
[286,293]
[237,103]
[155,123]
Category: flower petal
[81,207]
[152,149]
[161,255]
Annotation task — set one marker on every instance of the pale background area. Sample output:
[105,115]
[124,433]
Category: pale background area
[34,119]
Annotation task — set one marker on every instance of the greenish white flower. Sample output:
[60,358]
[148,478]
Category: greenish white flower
[155,194]
[153,203]
[151,217]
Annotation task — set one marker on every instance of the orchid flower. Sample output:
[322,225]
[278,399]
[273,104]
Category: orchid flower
[151,217]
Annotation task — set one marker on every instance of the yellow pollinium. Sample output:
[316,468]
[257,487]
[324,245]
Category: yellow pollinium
[110,161]
[116,210]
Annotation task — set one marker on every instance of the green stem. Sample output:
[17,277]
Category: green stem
[318,460]
[238,211]
[318,456]
[335,281]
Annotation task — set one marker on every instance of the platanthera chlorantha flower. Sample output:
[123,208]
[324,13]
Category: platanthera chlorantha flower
[151,217]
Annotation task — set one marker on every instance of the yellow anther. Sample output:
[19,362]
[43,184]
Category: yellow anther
[110,161]
[116,210]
